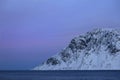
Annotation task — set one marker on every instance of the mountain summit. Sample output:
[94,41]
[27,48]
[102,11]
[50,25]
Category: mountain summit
[95,50]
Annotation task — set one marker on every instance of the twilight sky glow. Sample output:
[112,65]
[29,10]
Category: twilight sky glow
[33,30]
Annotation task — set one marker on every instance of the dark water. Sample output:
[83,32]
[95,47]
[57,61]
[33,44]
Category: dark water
[60,75]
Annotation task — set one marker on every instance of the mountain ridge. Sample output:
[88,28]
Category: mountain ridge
[95,50]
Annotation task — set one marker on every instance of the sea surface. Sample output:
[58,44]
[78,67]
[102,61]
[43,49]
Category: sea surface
[61,75]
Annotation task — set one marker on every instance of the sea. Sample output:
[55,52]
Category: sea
[61,75]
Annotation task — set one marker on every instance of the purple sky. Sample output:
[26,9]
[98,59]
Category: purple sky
[33,30]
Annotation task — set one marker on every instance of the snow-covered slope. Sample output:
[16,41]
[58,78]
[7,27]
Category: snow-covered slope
[95,50]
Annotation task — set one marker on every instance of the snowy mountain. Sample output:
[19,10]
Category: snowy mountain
[95,50]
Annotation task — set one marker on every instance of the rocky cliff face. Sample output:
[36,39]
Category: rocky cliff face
[95,50]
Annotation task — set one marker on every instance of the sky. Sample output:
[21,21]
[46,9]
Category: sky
[33,30]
